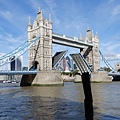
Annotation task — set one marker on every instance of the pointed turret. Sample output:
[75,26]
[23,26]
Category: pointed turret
[92,34]
[39,11]
[96,36]
[39,15]
[29,24]
[50,20]
[81,37]
[88,35]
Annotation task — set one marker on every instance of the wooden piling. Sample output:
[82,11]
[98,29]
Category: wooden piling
[88,101]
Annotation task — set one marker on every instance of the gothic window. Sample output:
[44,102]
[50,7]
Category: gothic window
[37,24]
[96,46]
[34,35]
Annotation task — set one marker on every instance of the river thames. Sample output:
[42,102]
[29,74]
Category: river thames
[58,102]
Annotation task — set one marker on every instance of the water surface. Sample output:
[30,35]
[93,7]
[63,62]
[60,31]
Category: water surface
[58,102]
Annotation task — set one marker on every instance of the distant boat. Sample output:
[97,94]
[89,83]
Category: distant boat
[6,81]
[14,82]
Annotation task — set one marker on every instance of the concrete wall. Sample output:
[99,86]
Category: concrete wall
[51,77]
[2,77]
[95,77]
[100,77]
[78,79]
[67,78]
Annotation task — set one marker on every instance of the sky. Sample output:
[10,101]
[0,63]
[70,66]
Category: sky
[69,17]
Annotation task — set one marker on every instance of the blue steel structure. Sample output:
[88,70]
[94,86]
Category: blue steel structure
[17,72]
[17,52]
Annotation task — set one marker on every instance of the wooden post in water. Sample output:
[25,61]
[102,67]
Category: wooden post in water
[88,101]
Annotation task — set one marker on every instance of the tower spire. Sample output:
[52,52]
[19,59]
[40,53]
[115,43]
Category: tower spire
[29,21]
[80,36]
[39,11]
[96,35]
[50,17]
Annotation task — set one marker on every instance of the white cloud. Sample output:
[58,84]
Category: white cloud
[35,4]
[111,56]
[7,40]
[51,3]
[116,11]
[105,44]
[113,47]
[7,15]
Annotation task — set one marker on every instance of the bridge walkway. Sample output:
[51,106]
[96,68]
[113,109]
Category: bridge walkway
[18,72]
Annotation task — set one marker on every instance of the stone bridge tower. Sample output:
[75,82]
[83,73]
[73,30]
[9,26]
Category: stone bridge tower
[41,52]
[91,54]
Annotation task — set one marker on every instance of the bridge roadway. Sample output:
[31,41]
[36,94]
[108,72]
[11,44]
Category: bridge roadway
[17,72]
[69,41]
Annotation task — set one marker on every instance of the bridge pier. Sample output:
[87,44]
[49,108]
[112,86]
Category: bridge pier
[27,79]
[42,78]
[49,77]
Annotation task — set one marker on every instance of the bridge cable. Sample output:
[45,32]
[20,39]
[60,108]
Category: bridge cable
[17,52]
[106,62]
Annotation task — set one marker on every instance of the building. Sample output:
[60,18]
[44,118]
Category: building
[67,63]
[16,65]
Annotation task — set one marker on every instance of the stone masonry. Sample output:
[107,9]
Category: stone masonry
[41,52]
[91,54]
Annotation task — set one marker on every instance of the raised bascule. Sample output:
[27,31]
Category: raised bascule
[40,40]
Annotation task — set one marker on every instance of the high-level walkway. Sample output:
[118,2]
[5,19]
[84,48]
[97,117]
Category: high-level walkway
[69,41]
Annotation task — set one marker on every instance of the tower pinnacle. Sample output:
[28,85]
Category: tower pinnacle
[29,21]
[39,11]
[50,18]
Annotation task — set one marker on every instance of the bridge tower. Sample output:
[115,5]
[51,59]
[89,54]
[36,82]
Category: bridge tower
[41,52]
[91,54]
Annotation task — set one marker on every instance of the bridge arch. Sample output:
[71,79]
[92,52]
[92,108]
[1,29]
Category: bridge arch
[34,65]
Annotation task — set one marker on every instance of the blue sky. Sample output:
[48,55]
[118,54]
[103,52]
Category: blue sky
[69,17]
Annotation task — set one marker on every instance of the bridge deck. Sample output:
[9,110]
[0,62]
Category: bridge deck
[17,72]
[68,41]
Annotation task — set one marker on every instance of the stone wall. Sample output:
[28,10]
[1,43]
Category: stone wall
[68,78]
[51,77]
[2,77]
[100,77]
[95,77]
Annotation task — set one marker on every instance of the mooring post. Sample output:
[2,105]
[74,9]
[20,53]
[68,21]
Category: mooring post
[88,101]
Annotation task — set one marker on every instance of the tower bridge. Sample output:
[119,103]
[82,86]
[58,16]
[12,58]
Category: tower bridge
[42,49]
[40,40]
